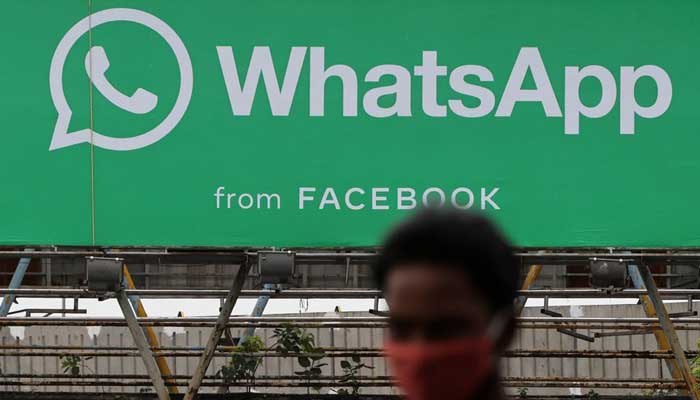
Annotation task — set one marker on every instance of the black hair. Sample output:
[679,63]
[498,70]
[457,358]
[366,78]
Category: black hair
[459,239]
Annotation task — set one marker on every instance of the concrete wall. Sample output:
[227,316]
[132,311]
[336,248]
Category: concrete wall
[525,339]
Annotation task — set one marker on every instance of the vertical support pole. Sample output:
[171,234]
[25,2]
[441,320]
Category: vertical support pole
[258,310]
[661,340]
[15,283]
[49,278]
[347,271]
[669,331]
[136,303]
[530,279]
[215,336]
[142,346]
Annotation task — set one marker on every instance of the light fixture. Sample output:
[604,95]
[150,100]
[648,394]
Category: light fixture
[606,273]
[276,266]
[104,274]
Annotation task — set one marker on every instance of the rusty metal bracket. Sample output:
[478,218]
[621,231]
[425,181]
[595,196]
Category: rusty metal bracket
[627,332]
[689,313]
[219,328]
[375,309]
[563,331]
[576,335]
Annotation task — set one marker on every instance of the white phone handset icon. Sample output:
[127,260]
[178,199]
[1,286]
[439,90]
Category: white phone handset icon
[141,102]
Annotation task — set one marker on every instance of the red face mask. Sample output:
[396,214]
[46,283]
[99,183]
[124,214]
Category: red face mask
[442,370]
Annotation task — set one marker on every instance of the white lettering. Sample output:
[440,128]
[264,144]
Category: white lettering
[487,199]
[379,194]
[430,70]
[349,204]
[470,196]
[329,197]
[401,89]
[318,77]
[529,59]
[269,198]
[303,198]
[403,195]
[228,199]
[426,196]
[249,201]
[218,195]
[389,89]
[628,101]
[573,106]
[485,96]
[261,64]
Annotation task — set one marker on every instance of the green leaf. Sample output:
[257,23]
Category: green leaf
[356,358]
[304,362]
[344,364]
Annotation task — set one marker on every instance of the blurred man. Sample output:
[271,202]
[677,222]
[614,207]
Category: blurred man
[449,279]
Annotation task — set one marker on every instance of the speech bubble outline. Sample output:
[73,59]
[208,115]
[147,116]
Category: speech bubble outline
[62,138]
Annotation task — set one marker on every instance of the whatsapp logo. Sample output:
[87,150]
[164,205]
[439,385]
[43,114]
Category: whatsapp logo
[97,62]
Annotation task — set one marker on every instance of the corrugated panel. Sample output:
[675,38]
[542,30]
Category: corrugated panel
[525,339]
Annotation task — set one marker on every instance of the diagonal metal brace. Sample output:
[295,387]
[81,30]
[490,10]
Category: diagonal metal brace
[143,346]
[213,341]
[669,331]
[662,342]
[532,275]
[15,283]
[163,367]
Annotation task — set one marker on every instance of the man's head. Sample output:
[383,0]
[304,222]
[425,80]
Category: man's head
[446,274]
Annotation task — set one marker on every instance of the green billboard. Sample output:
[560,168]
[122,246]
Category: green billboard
[320,123]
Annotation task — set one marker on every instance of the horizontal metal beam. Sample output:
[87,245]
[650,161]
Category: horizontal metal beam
[204,396]
[218,383]
[325,325]
[360,378]
[297,320]
[350,322]
[196,293]
[330,293]
[276,396]
[178,354]
[378,353]
[332,379]
[164,254]
[543,255]
[228,349]
[572,382]
[594,293]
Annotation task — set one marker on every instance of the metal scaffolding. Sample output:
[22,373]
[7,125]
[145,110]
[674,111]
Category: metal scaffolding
[658,321]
